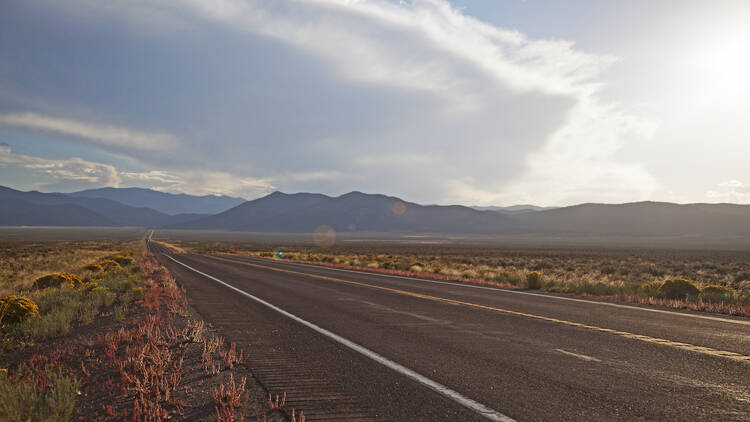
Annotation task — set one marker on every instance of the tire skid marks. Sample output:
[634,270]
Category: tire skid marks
[648,339]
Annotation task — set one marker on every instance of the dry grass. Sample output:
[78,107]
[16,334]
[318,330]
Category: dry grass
[172,247]
[21,263]
[49,396]
[616,274]
[130,362]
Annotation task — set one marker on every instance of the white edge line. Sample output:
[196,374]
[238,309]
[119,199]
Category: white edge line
[498,289]
[578,355]
[483,410]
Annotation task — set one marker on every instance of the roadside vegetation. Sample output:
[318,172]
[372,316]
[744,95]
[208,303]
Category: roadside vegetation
[104,332]
[711,281]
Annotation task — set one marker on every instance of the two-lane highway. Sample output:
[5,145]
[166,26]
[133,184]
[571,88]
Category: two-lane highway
[523,356]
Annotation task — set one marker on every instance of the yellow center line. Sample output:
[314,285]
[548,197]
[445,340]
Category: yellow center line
[674,344]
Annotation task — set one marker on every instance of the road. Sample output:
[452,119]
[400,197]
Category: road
[425,350]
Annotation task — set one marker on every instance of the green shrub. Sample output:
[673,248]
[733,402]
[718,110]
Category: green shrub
[57,280]
[122,284]
[743,287]
[651,288]
[124,260]
[101,296]
[555,286]
[58,309]
[401,265]
[15,309]
[119,313]
[678,288]
[138,292]
[534,280]
[93,301]
[389,265]
[600,289]
[48,326]
[509,277]
[88,286]
[716,293]
[22,400]
[469,274]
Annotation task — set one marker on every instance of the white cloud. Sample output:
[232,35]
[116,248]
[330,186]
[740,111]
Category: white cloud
[75,173]
[576,164]
[105,135]
[72,171]
[201,182]
[427,45]
[311,176]
[374,41]
[730,191]
[423,102]
[151,177]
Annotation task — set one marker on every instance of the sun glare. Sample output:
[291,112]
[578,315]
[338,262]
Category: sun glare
[720,66]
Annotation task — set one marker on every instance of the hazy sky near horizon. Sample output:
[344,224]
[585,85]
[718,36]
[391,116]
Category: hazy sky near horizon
[477,102]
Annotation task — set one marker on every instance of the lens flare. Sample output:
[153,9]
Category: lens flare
[398,208]
[324,236]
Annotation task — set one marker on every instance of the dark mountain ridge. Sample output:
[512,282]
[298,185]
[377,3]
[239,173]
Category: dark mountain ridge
[164,202]
[359,212]
[354,211]
[645,218]
[57,209]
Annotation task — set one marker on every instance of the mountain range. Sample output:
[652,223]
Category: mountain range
[167,203]
[361,212]
[354,211]
[59,209]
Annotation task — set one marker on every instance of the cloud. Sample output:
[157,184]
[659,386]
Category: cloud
[75,174]
[576,164]
[152,177]
[414,99]
[395,160]
[730,191]
[64,173]
[423,45]
[201,183]
[110,136]
[312,176]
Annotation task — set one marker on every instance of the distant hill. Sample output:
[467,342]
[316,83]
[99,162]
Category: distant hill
[57,209]
[355,211]
[513,209]
[18,212]
[358,212]
[167,203]
[640,219]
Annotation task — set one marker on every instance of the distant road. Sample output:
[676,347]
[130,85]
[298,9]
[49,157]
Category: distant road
[350,345]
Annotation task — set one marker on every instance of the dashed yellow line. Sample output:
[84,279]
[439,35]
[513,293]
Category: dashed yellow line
[674,344]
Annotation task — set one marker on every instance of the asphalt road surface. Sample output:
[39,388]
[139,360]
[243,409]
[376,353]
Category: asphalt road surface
[348,345]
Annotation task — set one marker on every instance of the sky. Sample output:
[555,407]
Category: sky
[474,102]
